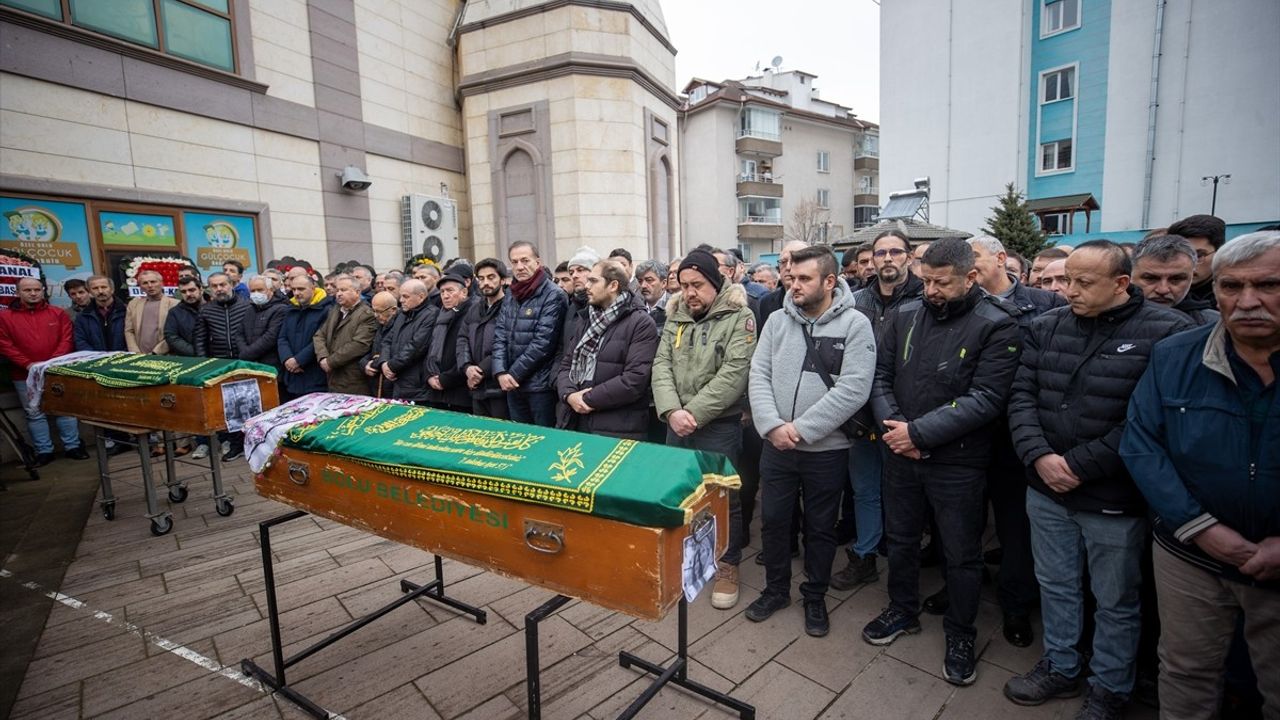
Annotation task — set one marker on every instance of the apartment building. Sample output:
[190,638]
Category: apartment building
[766,158]
[1113,117]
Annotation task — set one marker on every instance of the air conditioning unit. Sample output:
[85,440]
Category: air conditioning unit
[429,226]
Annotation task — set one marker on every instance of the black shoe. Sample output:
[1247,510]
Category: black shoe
[235,452]
[1102,704]
[766,605]
[1017,630]
[937,603]
[816,622]
[859,571]
[888,625]
[959,666]
[1041,684]
[43,459]
[77,453]
[994,556]
[118,449]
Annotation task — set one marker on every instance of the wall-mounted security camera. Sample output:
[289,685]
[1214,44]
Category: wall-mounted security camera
[354,179]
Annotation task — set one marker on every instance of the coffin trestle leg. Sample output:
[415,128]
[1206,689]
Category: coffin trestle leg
[434,590]
[533,670]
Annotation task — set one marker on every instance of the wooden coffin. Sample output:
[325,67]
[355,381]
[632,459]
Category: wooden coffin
[178,408]
[629,568]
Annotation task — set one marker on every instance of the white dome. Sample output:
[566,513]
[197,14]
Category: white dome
[482,10]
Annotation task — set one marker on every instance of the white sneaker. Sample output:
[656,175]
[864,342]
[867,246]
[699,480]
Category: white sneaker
[226,447]
[201,452]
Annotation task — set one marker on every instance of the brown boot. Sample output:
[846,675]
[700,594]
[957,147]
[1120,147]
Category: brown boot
[724,594]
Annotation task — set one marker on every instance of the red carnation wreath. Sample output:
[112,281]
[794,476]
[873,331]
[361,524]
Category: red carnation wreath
[168,267]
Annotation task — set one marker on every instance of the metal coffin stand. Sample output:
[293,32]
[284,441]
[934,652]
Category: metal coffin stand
[277,681]
[676,673]
[140,438]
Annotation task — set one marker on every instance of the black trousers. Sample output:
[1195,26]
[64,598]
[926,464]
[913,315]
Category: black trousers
[724,436]
[955,493]
[784,475]
[1016,586]
[492,407]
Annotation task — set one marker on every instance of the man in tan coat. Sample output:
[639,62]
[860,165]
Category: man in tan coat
[144,317]
[344,338]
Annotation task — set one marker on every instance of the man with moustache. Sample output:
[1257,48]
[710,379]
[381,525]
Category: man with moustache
[101,327]
[475,340]
[344,337]
[579,267]
[144,317]
[1163,268]
[651,282]
[446,379]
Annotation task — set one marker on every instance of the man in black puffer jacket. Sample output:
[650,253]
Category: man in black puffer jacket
[475,341]
[218,326]
[446,380]
[404,349]
[603,381]
[180,325]
[527,336]
[943,373]
[1067,415]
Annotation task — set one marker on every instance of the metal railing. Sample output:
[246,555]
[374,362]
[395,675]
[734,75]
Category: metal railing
[759,177]
[760,219]
[762,134]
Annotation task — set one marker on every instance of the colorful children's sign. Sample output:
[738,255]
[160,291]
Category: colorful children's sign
[128,228]
[214,239]
[53,234]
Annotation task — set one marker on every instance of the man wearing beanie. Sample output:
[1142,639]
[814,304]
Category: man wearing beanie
[579,304]
[700,382]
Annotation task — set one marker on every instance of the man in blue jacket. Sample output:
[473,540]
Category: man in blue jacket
[1202,443]
[527,337]
[295,347]
[101,325]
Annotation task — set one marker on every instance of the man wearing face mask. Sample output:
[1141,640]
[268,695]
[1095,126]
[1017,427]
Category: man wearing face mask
[260,328]
[944,367]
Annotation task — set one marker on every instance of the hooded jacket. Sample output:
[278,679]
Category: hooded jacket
[442,358]
[93,332]
[946,372]
[297,332]
[703,365]
[619,394]
[218,327]
[260,332]
[343,341]
[475,344]
[1072,391]
[30,335]
[180,329]
[786,386]
[528,336]
[404,350]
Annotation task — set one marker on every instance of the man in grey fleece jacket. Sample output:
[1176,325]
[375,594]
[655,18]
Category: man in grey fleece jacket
[801,418]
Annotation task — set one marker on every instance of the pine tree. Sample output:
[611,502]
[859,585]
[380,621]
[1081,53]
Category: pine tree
[1013,225]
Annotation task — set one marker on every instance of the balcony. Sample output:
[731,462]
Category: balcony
[760,227]
[759,185]
[759,144]
[866,161]
[872,198]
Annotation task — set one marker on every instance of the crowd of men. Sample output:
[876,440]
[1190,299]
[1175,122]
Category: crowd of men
[1112,408]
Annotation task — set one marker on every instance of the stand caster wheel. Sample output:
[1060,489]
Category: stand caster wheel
[160,526]
[225,507]
[178,493]
[109,511]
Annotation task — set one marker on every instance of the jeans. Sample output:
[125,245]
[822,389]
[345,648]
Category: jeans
[865,467]
[1063,541]
[955,493]
[38,426]
[537,408]
[1198,615]
[725,437]
[820,476]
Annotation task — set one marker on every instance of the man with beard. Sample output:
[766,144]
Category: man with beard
[1163,268]
[446,379]
[604,375]
[304,315]
[475,341]
[1206,234]
[180,325]
[700,380]
[813,368]
[651,282]
[101,327]
[859,266]
[893,286]
[384,312]
[525,341]
[404,349]
[344,337]
[218,333]
[943,373]
[579,270]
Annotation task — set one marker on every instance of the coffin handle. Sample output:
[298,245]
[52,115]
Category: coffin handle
[543,537]
[168,400]
[56,389]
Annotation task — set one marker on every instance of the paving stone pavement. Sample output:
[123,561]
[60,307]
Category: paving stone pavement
[160,617]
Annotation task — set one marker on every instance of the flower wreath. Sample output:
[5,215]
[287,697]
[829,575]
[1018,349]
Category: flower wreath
[168,267]
[419,260]
[13,267]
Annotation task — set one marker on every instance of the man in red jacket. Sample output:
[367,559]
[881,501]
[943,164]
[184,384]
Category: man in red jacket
[33,331]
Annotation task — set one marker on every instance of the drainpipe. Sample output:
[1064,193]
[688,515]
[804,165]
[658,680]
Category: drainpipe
[1153,105]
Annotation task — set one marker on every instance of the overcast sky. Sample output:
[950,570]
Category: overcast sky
[837,40]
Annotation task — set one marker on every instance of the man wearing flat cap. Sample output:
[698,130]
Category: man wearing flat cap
[700,383]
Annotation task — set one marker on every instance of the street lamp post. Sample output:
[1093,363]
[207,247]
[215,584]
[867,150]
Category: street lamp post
[1224,179]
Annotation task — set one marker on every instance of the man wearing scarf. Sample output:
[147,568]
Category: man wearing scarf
[527,336]
[603,383]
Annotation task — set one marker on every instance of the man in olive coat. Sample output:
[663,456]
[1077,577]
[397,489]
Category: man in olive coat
[344,338]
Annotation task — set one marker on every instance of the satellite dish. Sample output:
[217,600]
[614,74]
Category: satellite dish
[776,62]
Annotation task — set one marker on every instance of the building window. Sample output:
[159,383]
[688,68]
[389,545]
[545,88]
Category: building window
[867,185]
[698,94]
[868,146]
[1058,85]
[1055,223]
[824,198]
[1059,16]
[1056,156]
[865,215]
[202,31]
[755,122]
[824,161]
[759,211]
[744,249]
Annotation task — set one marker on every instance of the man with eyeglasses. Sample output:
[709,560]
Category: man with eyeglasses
[384,307]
